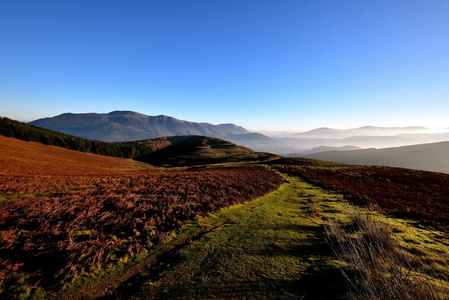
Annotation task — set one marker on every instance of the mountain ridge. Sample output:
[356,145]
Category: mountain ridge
[120,126]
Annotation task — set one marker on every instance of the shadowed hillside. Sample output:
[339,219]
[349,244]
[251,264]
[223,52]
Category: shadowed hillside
[31,133]
[428,157]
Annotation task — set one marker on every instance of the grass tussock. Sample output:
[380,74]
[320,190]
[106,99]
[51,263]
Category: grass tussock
[377,267]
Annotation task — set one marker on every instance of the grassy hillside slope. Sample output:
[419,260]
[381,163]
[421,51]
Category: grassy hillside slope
[200,150]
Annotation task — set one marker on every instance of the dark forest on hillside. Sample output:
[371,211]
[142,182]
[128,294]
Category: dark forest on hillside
[26,132]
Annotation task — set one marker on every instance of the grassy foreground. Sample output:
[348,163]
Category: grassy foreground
[275,247]
[272,247]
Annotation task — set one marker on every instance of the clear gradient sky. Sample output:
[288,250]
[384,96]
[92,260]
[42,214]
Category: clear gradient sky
[279,64]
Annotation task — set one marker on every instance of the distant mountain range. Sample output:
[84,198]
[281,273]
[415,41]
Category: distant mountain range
[430,157]
[317,140]
[120,126]
[194,150]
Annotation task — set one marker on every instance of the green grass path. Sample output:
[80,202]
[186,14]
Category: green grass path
[272,247]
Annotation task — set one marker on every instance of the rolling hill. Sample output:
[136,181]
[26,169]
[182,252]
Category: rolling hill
[119,126]
[181,150]
[199,150]
[429,157]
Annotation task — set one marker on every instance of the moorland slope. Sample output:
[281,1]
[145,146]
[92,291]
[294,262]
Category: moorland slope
[18,157]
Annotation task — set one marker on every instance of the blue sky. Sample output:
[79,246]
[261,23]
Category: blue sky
[280,65]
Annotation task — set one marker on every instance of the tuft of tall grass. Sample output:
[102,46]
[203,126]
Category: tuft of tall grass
[376,266]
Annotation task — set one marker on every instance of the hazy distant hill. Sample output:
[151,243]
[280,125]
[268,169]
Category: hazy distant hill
[129,126]
[325,132]
[362,137]
[429,157]
[323,149]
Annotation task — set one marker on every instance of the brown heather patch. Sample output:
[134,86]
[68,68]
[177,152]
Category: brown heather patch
[57,227]
[418,195]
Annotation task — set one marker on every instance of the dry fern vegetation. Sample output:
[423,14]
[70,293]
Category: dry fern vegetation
[379,266]
[393,242]
[86,222]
